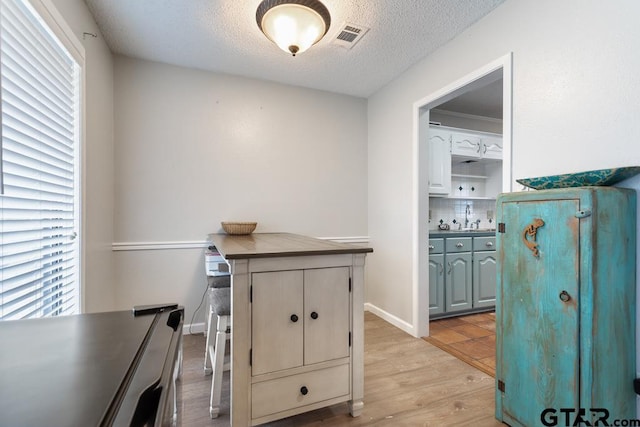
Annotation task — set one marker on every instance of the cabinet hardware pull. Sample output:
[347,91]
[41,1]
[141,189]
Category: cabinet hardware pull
[304,390]
[431,247]
[532,230]
[490,244]
[294,318]
[564,296]
[314,315]
[448,268]
[459,245]
[441,268]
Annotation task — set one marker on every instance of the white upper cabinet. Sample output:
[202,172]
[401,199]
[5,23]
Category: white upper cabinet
[476,146]
[439,162]
[463,144]
[464,163]
[492,147]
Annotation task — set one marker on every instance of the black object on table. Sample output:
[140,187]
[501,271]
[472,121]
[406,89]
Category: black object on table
[101,369]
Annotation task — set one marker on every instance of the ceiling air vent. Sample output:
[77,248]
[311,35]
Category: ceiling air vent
[350,35]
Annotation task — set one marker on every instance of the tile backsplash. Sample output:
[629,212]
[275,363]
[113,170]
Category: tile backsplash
[450,210]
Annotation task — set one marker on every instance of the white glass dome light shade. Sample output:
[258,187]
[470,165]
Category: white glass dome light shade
[293,27]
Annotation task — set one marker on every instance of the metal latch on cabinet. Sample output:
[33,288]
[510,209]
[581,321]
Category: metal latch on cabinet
[583,213]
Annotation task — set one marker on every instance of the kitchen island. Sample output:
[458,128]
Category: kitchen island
[297,322]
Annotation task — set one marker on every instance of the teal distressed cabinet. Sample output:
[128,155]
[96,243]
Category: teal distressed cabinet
[565,306]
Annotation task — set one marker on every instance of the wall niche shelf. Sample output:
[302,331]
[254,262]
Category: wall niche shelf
[470,198]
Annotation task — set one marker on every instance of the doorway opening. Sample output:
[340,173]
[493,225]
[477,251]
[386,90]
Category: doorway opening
[493,82]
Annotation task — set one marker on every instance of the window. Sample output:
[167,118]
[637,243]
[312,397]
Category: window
[40,81]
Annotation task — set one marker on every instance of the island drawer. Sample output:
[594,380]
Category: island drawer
[273,396]
[458,244]
[436,246]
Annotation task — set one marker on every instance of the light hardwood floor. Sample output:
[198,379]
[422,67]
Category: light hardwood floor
[470,338]
[408,382]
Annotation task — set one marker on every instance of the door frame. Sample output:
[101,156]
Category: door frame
[480,77]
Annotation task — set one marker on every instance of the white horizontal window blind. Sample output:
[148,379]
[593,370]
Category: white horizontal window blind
[40,94]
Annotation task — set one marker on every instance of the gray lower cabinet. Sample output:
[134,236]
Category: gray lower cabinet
[458,288]
[484,272]
[436,284]
[436,276]
[462,274]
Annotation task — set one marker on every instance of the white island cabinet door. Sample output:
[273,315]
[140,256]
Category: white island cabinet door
[326,306]
[277,321]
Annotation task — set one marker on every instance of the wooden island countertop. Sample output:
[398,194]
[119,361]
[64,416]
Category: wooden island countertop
[267,245]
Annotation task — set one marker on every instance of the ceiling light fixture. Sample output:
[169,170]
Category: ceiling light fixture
[293,25]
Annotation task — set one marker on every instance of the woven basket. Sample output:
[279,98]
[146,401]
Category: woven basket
[230,227]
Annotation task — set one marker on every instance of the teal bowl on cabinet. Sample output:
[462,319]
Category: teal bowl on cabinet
[600,177]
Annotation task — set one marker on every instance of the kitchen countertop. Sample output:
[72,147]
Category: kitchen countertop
[461,233]
[267,245]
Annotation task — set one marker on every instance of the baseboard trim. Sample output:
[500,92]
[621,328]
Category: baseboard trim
[193,328]
[394,320]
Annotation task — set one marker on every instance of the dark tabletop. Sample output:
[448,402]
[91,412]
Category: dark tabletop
[64,371]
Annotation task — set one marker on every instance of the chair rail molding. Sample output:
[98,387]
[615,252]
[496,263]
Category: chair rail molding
[200,244]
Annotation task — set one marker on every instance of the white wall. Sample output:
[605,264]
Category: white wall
[194,148]
[97,235]
[575,92]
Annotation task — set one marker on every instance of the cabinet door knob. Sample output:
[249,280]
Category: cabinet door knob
[564,296]
[459,245]
[314,315]
[304,390]
[294,318]
[431,247]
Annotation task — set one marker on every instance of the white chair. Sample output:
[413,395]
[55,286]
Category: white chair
[220,309]
[214,282]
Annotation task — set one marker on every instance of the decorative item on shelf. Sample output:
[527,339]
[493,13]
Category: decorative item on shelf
[293,25]
[600,177]
[238,228]
[443,225]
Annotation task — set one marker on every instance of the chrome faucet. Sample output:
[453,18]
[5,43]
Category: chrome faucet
[467,212]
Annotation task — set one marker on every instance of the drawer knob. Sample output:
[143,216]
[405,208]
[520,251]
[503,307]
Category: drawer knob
[459,245]
[294,318]
[431,247]
[314,315]
[304,390]
[490,244]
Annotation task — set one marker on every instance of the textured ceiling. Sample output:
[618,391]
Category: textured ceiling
[222,36]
